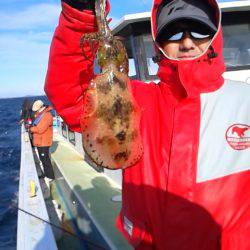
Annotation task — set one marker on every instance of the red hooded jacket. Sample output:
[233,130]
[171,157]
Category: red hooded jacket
[191,189]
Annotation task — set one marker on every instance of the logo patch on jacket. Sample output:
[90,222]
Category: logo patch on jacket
[128,225]
[238,136]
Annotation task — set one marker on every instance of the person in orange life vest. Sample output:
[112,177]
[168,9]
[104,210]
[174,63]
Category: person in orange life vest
[42,131]
[191,188]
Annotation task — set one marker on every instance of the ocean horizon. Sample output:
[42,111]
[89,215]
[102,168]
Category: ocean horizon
[23,97]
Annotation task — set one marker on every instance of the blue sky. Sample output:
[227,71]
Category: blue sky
[26,30]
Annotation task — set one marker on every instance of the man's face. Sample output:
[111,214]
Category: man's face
[188,46]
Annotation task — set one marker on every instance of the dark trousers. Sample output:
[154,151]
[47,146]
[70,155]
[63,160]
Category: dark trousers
[45,159]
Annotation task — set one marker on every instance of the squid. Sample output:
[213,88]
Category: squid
[110,123]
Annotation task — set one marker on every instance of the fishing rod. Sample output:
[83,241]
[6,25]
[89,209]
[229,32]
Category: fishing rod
[58,227]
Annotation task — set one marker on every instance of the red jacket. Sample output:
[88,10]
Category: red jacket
[191,189]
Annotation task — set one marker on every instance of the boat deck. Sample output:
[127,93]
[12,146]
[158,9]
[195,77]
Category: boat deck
[90,195]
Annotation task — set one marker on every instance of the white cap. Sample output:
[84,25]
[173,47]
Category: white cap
[37,105]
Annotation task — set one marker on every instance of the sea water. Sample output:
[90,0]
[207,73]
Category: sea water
[10,150]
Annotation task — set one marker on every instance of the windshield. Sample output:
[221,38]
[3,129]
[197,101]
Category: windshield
[150,52]
[236,43]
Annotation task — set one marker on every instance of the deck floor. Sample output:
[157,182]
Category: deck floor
[93,189]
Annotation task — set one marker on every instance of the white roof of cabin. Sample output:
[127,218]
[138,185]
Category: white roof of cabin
[145,16]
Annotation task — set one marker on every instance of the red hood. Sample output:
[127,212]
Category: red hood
[199,75]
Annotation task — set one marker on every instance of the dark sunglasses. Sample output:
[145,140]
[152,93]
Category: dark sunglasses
[180,35]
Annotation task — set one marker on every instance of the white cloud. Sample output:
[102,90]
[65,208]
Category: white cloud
[35,16]
[25,38]
[20,47]
[23,65]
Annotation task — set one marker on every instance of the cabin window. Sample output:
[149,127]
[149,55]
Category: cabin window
[64,130]
[236,36]
[72,138]
[132,69]
[150,52]
[132,65]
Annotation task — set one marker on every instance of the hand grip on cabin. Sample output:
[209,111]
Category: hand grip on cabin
[111,119]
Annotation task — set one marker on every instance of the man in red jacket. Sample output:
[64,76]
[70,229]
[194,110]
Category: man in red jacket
[191,189]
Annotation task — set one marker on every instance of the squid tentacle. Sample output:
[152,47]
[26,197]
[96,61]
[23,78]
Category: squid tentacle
[91,39]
